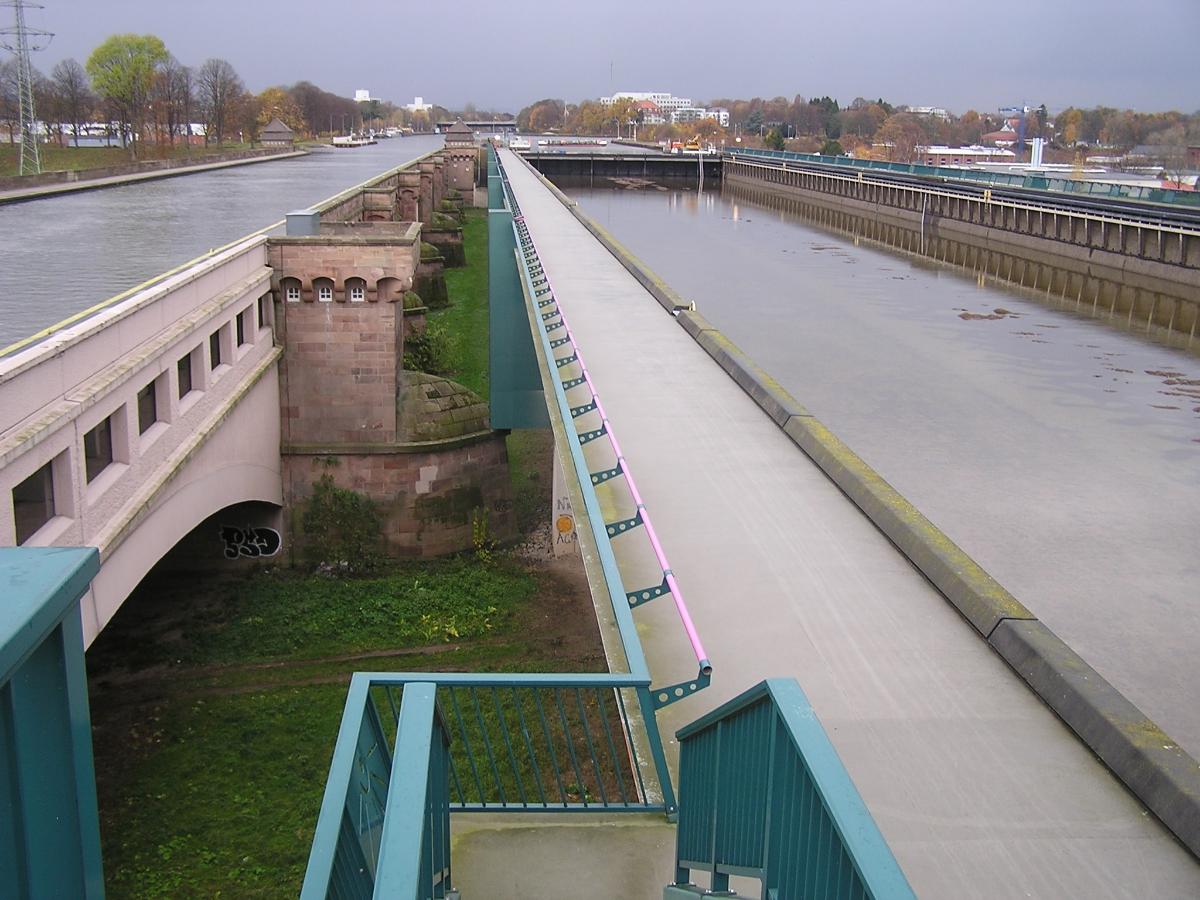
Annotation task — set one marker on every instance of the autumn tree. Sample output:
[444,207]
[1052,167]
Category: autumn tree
[74,94]
[541,116]
[277,103]
[774,140]
[122,70]
[902,132]
[218,89]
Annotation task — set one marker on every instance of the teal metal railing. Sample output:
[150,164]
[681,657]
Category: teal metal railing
[49,824]
[763,794]
[1078,187]
[569,373]
[384,829]
[465,743]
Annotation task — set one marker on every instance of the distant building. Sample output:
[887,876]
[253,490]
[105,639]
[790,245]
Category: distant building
[362,96]
[418,105]
[666,103]
[687,114]
[933,112]
[963,156]
[651,114]
[276,134]
[460,135]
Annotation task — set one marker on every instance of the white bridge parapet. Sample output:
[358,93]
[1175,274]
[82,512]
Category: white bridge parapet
[128,429]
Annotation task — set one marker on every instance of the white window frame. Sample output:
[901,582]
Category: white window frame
[324,294]
[292,293]
[358,293]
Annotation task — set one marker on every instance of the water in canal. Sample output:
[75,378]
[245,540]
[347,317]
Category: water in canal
[1060,452]
[63,254]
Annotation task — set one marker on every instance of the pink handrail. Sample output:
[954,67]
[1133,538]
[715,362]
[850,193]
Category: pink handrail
[685,616]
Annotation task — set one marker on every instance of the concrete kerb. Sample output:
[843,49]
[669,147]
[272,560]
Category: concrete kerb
[1160,773]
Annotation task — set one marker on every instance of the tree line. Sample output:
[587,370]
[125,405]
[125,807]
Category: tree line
[146,98]
[821,124]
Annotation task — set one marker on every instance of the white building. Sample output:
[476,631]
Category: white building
[667,103]
[418,105]
[934,112]
[362,96]
[963,156]
[695,113]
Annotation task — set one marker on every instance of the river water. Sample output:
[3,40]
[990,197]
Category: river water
[1062,453]
[63,254]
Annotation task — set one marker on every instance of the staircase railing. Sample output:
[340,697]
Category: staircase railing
[763,794]
[384,830]
[465,743]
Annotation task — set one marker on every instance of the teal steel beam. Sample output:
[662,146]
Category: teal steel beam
[405,822]
[49,824]
[318,875]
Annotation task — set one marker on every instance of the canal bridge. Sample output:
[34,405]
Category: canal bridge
[796,561]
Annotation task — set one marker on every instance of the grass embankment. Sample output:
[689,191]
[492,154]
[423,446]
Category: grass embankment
[72,159]
[216,706]
[465,320]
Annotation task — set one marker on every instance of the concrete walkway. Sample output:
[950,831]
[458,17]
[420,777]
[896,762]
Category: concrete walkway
[980,790]
[91,184]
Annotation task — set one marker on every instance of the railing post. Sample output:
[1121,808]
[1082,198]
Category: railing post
[646,704]
[318,875]
[49,826]
[402,863]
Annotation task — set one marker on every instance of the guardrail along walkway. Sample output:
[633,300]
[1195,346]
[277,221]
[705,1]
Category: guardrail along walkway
[976,786]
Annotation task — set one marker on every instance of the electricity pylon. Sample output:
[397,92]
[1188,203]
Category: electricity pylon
[21,40]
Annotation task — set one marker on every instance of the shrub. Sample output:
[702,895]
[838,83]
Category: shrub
[430,352]
[343,530]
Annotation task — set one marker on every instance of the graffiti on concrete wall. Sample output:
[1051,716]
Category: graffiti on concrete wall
[250,542]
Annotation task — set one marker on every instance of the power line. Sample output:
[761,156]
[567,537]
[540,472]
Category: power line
[20,40]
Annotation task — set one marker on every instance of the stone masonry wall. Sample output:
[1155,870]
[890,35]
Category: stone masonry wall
[338,377]
[428,498]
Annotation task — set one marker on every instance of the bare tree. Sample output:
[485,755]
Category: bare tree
[48,104]
[10,103]
[219,90]
[173,95]
[74,94]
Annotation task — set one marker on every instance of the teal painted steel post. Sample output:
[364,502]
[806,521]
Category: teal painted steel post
[49,824]
[401,866]
[327,837]
[517,400]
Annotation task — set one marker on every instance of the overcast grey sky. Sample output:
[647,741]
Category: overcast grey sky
[959,54]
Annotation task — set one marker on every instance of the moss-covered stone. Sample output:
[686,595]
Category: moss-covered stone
[434,408]
[412,300]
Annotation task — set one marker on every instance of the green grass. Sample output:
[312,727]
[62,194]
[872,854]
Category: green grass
[216,703]
[66,159]
[224,803]
[466,319]
[286,617]
[530,458]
